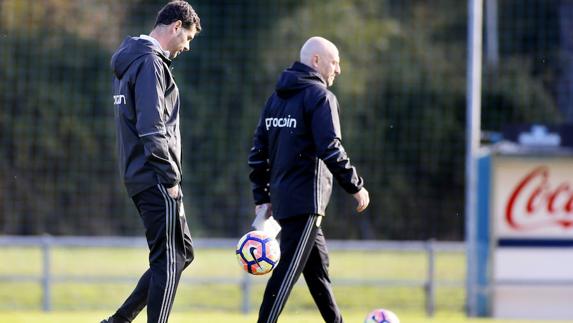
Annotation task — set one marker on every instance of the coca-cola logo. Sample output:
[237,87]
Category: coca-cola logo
[534,203]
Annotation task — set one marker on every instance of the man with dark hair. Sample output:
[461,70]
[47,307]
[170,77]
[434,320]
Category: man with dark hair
[297,150]
[146,105]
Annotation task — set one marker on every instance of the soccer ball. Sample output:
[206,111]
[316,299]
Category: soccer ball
[258,253]
[381,316]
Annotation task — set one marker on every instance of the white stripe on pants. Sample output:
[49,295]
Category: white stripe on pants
[288,280]
[170,217]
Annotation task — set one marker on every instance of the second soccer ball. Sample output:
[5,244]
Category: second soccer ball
[381,316]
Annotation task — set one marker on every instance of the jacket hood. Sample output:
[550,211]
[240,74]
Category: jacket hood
[296,78]
[129,51]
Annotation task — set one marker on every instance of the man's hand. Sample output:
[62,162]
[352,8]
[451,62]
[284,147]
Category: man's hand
[173,192]
[265,208]
[363,199]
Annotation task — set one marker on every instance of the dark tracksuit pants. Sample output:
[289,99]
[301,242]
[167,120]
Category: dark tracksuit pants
[170,251]
[303,250]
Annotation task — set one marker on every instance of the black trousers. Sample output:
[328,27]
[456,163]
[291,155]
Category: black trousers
[170,251]
[303,250]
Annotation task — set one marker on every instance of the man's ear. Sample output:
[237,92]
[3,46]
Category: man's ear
[315,60]
[177,25]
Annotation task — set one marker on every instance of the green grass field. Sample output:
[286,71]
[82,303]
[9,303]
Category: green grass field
[83,300]
[212,317]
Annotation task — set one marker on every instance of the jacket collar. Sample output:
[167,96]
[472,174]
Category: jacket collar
[156,43]
[301,67]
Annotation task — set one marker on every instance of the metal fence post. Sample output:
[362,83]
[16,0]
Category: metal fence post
[430,283]
[46,273]
[246,285]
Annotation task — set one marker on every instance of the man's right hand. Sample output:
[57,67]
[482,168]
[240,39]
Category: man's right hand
[173,192]
[363,199]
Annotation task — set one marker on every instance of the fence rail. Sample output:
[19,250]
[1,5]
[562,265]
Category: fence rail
[47,278]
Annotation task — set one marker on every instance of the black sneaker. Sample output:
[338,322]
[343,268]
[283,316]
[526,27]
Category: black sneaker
[109,320]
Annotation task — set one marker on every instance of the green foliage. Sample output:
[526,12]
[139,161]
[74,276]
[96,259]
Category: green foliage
[402,96]
[57,135]
[366,90]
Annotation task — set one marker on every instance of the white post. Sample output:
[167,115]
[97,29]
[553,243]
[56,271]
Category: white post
[473,116]
[46,274]
[246,294]
[430,283]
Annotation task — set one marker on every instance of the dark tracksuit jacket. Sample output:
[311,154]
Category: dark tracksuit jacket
[146,104]
[297,149]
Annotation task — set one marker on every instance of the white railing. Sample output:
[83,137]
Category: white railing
[47,278]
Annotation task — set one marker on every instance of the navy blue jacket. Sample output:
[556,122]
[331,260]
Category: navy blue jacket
[297,147]
[146,101]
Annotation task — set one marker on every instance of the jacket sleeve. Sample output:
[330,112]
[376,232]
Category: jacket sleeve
[259,163]
[327,138]
[149,106]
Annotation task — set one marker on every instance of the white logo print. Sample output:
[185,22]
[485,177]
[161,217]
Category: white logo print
[280,122]
[118,99]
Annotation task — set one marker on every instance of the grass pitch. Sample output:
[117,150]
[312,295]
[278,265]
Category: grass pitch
[362,280]
[211,317]
[210,290]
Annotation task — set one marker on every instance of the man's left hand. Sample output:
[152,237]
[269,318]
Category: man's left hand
[265,208]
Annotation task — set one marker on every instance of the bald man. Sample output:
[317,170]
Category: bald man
[297,150]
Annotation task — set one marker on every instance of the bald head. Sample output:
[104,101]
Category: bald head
[322,55]
[316,46]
